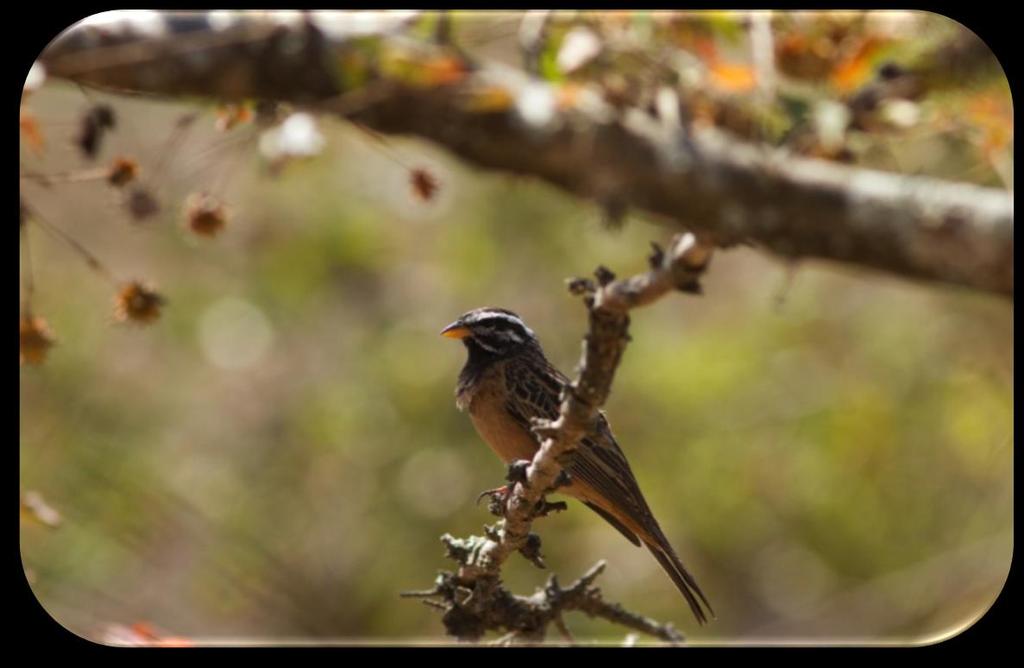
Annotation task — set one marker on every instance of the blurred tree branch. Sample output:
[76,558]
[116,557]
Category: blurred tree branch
[647,158]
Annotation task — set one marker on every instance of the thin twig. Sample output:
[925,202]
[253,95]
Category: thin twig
[90,260]
[97,174]
[563,629]
[381,143]
[175,140]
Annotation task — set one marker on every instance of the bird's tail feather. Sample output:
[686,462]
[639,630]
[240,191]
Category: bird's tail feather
[669,561]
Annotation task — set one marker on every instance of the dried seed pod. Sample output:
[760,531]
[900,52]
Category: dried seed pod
[231,115]
[142,204]
[205,214]
[137,302]
[31,132]
[36,339]
[94,124]
[424,184]
[122,172]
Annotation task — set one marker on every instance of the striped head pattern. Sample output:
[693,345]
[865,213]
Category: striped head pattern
[494,331]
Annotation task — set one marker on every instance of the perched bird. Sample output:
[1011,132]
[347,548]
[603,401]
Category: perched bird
[506,381]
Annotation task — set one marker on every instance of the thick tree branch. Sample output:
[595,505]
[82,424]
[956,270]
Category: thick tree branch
[502,119]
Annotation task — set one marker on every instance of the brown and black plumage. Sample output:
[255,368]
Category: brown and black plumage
[505,382]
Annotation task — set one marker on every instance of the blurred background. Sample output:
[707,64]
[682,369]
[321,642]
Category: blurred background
[275,457]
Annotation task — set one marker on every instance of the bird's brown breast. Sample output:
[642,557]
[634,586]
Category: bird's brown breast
[487,410]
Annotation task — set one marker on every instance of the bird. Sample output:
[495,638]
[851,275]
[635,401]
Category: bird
[507,381]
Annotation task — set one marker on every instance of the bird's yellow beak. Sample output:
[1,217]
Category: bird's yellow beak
[456,330]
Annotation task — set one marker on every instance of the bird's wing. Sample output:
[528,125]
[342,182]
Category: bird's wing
[599,462]
[626,532]
[601,465]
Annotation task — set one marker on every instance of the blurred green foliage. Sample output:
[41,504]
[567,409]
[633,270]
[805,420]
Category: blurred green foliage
[829,450]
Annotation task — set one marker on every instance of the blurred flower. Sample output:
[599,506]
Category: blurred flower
[488,98]
[35,509]
[830,122]
[297,137]
[347,24]
[441,71]
[566,95]
[856,65]
[122,172]
[901,114]
[732,77]
[992,118]
[804,56]
[579,47]
[142,204]
[30,131]
[138,303]
[205,214]
[424,184]
[140,634]
[230,115]
[538,106]
[35,79]
[36,339]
